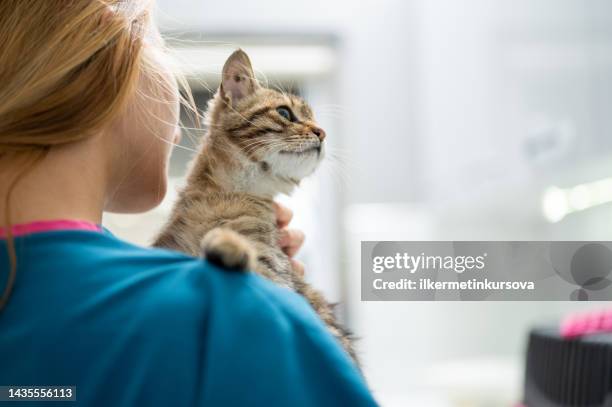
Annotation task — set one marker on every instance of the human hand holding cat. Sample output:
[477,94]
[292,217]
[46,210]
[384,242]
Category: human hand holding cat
[290,240]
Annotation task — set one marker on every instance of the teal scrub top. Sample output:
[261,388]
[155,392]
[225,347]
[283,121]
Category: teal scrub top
[134,326]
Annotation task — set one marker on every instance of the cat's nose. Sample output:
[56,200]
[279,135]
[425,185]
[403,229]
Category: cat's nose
[319,132]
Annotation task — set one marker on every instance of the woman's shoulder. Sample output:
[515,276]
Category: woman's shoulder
[110,279]
[160,280]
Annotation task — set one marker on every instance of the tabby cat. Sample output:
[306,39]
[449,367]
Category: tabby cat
[259,143]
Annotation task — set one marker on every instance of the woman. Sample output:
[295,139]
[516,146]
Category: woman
[88,115]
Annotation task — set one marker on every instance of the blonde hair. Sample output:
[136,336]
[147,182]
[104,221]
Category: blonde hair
[67,69]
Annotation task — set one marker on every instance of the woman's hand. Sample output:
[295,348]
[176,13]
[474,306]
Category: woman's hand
[290,240]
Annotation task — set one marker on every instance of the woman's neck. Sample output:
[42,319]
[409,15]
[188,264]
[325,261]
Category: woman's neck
[68,183]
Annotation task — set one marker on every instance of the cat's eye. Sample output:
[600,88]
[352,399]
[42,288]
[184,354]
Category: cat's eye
[286,113]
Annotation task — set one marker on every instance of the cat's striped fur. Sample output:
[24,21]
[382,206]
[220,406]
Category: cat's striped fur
[259,143]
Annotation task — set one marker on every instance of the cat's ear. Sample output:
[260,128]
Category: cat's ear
[238,79]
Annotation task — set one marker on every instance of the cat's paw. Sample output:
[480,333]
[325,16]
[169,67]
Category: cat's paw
[228,249]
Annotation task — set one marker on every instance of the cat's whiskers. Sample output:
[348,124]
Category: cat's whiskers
[256,144]
[338,172]
[337,166]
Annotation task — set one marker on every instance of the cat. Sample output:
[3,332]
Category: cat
[259,143]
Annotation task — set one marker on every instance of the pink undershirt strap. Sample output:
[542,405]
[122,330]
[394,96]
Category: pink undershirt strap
[51,225]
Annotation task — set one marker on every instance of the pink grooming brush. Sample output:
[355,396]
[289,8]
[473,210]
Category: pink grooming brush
[587,323]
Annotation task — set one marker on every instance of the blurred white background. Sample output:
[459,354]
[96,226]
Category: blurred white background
[447,120]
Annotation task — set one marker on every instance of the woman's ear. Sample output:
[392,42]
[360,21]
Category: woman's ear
[238,79]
